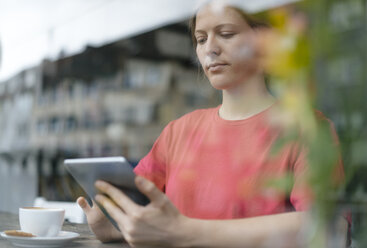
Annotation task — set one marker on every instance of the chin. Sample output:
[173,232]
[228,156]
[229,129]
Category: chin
[224,81]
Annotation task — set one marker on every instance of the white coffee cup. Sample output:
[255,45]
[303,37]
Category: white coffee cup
[41,222]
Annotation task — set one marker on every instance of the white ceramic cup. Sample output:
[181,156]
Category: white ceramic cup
[41,222]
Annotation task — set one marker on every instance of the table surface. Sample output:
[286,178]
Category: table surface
[10,221]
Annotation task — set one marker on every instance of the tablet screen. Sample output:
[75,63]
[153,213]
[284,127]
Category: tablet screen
[114,170]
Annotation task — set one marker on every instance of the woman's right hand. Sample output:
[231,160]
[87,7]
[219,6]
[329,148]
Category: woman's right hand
[98,223]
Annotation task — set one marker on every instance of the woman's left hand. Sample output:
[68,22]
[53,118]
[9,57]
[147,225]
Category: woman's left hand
[157,224]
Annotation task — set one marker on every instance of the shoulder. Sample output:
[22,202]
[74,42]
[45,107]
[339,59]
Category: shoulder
[320,115]
[326,124]
[195,117]
[322,119]
[186,125]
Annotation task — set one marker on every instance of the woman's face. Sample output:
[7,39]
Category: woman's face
[225,47]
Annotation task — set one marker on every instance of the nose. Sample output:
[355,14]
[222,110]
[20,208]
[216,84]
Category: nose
[212,46]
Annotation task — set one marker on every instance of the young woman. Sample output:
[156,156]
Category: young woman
[209,171]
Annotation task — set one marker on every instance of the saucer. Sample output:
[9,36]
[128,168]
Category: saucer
[58,241]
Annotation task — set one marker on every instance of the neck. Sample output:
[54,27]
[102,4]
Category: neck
[245,100]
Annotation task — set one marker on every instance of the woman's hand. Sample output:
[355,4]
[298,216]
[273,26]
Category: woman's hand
[157,224]
[98,223]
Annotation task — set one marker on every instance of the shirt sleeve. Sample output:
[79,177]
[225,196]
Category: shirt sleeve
[154,165]
[302,195]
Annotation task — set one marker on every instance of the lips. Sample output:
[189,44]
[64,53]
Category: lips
[216,67]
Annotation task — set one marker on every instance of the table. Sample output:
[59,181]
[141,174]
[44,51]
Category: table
[10,221]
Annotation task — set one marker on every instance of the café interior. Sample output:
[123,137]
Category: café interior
[86,79]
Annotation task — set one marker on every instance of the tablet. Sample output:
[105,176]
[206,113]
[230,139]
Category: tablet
[114,170]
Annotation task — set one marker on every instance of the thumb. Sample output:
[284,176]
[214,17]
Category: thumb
[149,189]
[82,202]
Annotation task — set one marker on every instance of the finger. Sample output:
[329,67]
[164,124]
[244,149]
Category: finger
[82,202]
[114,211]
[150,190]
[122,200]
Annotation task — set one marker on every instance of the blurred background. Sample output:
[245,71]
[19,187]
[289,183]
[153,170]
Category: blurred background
[102,78]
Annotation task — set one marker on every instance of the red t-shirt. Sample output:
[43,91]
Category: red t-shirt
[211,168]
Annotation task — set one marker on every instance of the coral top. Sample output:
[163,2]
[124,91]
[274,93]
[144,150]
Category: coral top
[211,168]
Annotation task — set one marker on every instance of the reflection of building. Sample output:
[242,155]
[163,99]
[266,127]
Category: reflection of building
[0,53]
[115,99]
[18,169]
[110,100]
[16,101]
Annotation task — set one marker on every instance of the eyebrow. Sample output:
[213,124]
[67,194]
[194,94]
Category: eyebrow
[217,27]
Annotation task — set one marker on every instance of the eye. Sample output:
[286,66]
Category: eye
[227,35]
[200,40]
